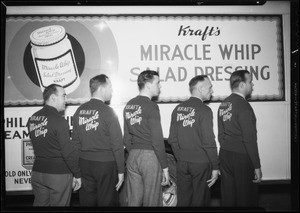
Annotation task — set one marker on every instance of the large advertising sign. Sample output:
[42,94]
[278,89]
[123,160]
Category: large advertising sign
[71,50]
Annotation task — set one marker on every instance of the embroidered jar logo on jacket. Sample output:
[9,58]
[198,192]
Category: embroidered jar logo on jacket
[188,119]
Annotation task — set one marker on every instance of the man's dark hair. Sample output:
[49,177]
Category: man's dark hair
[237,77]
[195,80]
[146,76]
[49,90]
[97,81]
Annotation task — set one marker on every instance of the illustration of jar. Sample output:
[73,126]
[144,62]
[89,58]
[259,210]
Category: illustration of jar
[53,58]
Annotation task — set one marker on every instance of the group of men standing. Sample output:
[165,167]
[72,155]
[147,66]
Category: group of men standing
[93,159]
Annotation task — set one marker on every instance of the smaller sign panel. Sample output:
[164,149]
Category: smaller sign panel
[27,154]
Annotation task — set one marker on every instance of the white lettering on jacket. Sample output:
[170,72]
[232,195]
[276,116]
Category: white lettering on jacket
[226,112]
[39,128]
[187,119]
[134,116]
[90,123]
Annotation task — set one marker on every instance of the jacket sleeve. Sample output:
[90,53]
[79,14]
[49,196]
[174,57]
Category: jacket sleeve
[221,131]
[173,135]
[74,135]
[247,122]
[208,138]
[116,141]
[157,137]
[69,148]
[127,136]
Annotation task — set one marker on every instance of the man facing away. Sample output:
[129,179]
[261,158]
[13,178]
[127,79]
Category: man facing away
[146,165]
[193,142]
[239,158]
[97,128]
[56,157]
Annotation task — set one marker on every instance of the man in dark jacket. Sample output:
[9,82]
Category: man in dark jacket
[98,131]
[239,158]
[56,157]
[147,167]
[193,143]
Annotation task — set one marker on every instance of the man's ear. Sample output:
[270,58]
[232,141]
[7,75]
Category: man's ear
[242,85]
[52,97]
[200,88]
[147,85]
[100,89]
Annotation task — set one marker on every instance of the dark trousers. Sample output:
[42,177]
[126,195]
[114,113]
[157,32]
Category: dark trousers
[237,173]
[99,180]
[192,188]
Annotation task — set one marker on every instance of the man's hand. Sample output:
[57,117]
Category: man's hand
[214,178]
[258,175]
[121,180]
[76,183]
[166,177]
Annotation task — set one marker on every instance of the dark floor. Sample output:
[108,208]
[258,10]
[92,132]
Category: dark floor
[272,197]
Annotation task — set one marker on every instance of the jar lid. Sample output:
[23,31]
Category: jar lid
[47,35]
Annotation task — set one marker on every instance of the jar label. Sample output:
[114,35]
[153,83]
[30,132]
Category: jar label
[59,70]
